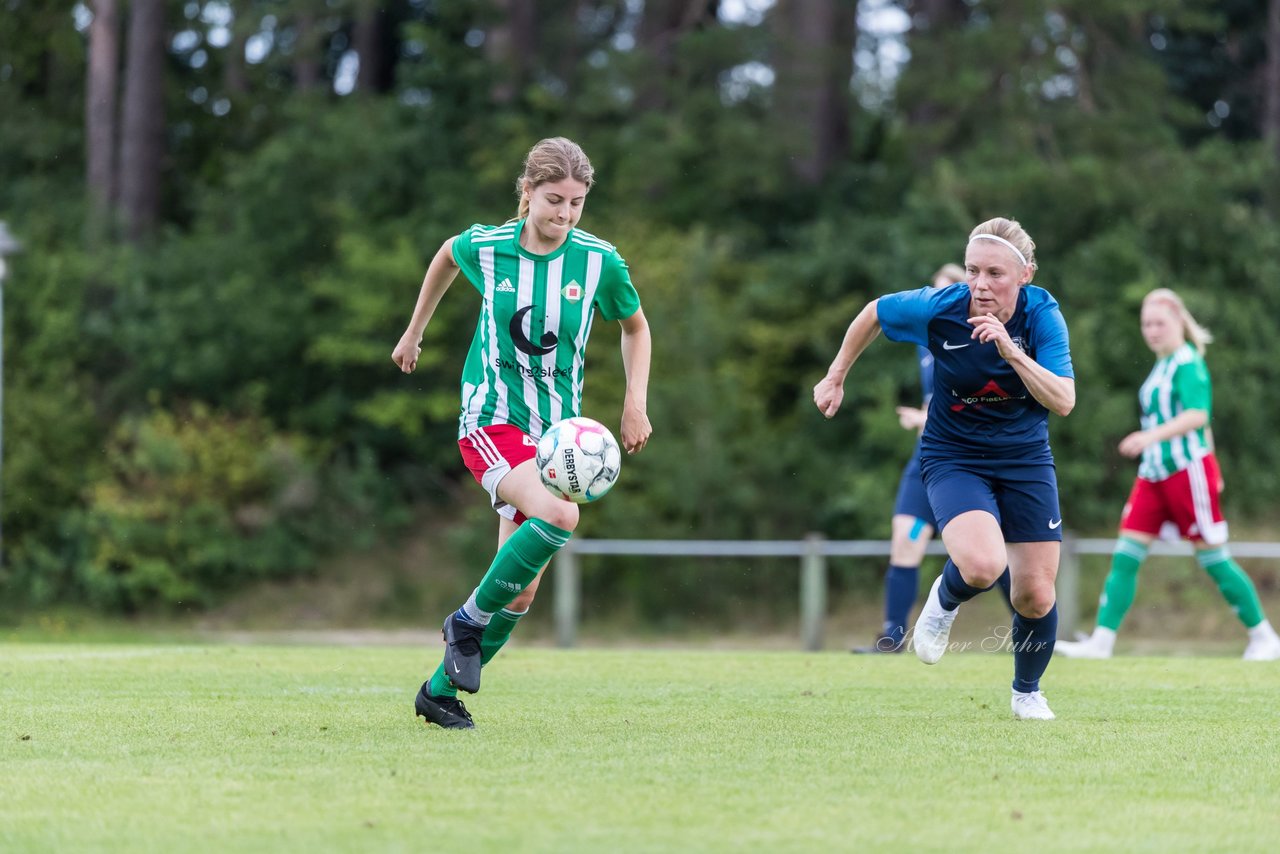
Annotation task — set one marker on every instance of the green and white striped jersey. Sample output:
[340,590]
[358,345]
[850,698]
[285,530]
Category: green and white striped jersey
[1178,382]
[525,366]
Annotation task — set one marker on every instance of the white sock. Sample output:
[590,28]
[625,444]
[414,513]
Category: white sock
[1103,638]
[473,612]
[1262,632]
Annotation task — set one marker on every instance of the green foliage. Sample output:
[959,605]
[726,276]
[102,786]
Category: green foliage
[297,226]
[192,504]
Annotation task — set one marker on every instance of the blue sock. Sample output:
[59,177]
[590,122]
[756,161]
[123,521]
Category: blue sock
[900,586]
[1033,641]
[954,589]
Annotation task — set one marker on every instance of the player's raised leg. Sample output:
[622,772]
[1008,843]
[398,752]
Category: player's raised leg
[549,525]
[977,559]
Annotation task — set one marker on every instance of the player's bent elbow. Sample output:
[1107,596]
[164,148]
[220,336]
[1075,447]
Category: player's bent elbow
[1067,401]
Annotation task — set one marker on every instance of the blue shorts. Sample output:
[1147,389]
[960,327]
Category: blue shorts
[1022,497]
[912,499]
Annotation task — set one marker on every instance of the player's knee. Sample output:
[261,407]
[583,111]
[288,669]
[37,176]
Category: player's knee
[906,552]
[1033,603]
[562,514]
[981,571]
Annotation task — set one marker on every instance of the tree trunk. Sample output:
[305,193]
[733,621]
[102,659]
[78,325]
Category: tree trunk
[511,46]
[1271,83]
[664,23]
[234,78]
[306,53]
[142,137]
[100,105]
[931,16]
[374,45]
[813,67]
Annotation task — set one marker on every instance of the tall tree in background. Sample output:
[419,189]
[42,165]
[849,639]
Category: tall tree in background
[932,18]
[306,51]
[375,44]
[813,65]
[234,79]
[1271,81]
[511,45]
[101,84]
[142,145]
[662,26]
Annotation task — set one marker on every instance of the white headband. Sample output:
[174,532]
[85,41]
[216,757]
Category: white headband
[1021,257]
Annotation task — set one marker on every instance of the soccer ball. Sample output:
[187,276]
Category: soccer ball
[578,459]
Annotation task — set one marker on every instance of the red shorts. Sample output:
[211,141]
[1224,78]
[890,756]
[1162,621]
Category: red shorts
[490,453]
[1186,503]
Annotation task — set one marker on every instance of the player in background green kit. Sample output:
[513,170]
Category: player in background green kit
[541,281]
[1176,491]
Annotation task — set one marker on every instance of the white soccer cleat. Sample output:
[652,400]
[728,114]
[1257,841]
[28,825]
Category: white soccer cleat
[1080,649]
[1263,649]
[1097,645]
[1031,706]
[932,631]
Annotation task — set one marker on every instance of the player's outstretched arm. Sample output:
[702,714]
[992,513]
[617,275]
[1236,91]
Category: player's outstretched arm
[440,274]
[637,352]
[1186,421]
[828,394]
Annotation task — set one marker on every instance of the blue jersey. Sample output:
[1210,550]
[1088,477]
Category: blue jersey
[980,408]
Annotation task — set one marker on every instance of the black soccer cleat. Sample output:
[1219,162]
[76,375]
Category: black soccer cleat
[462,652]
[447,712]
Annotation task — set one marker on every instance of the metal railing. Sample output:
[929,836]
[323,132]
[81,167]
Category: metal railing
[813,553]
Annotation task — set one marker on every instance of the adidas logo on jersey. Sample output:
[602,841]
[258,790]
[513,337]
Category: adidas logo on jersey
[505,287]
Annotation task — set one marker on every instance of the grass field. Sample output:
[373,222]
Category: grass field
[136,747]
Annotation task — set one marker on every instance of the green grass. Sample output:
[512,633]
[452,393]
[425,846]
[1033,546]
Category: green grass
[130,747]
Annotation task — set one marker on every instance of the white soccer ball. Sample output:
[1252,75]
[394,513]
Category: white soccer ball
[578,459]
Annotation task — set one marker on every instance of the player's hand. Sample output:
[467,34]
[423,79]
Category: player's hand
[828,395]
[1135,443]
[988,329]
[911,417]
[406,353]
[636,428]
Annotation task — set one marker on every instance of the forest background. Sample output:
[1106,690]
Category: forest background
[226,208]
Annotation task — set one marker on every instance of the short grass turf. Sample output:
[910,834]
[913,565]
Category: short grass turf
[124,747]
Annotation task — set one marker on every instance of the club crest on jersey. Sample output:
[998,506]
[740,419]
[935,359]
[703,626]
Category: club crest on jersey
[1019,343]
[505,287]
[572,291]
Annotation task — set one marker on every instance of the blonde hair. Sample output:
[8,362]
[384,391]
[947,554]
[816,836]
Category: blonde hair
[1194,332]
[953,272]
[552,160]
[1011,231]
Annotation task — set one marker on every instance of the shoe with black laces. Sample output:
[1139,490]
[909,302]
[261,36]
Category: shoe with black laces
[447,712]
[462,652]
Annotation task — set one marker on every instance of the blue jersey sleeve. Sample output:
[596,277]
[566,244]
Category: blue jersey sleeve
[905,316]
[1052,343]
